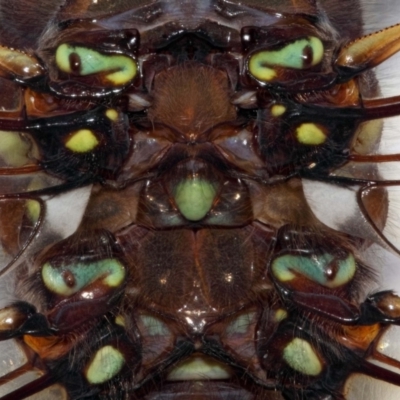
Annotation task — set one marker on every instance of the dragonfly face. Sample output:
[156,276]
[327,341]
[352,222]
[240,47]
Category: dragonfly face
[173,179]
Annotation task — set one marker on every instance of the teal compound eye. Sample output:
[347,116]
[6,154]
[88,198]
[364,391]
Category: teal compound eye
[323,269]
[298,55]
[117,69]
[71,278]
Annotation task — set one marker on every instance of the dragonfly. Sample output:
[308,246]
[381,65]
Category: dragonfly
[199,200]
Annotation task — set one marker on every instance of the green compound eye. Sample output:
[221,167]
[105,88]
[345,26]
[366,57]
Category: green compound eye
[323,269]
[301,54]
[70,279]
[118,69]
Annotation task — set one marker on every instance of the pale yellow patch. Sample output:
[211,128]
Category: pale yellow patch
[277,110]
[310,134]
[82,141]
[112,114]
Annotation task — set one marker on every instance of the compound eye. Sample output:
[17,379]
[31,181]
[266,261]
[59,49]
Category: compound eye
[68,279]
[114,69]
[298,55]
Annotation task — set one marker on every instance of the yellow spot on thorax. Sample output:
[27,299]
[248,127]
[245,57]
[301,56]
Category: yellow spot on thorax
[33,209]
[120,320]
[277,110]
[310,134]
[280,315]
[14,149]
[82,141]
[112,114]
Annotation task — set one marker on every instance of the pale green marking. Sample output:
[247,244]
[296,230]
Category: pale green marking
[33,209]
[199,368]
[318,50]
[277,110]
[261,64]
[280,315]
[82,141]
[120,320]
[310,134]
[314,268]
[110,271]
[105,365]
[121,69]
[260,71]
[112,114]
[154,326]
[36,183]
[302,358]
[62,57]
[194,198]
[14,149]
[241,324]
[347,269]
[281,267]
